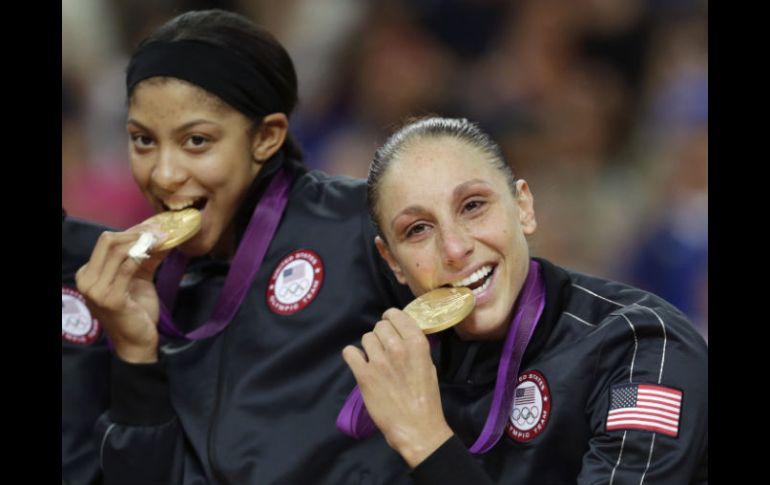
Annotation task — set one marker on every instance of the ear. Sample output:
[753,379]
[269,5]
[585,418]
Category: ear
[526,204]
[270,136]
[382,247]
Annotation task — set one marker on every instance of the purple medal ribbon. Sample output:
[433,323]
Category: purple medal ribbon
[530,307]
[243,269]
[354,420]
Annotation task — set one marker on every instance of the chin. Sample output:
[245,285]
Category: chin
[195,247]
[192,251]
[481,329]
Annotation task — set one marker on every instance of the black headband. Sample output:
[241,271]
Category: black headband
[218,70]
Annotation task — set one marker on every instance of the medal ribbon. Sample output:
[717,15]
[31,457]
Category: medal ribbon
[243,268]
[354,420]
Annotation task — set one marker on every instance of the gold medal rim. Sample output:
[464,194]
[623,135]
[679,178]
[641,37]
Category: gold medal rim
[459,317]
[192,223]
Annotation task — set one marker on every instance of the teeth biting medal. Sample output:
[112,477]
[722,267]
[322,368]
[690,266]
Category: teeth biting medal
[179,227]
[441,308]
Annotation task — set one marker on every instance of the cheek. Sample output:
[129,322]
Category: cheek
[493,235]
[423,271]
[499,232]
[232,177]
[214,173]
[141,174]
[417,269]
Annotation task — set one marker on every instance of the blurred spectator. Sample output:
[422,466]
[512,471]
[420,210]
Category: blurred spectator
[103,192]
[671,258]
[395,70]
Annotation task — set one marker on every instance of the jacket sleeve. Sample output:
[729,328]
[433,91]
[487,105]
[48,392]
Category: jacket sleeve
[85,389]
[450,464]
[649,356]
[140,439]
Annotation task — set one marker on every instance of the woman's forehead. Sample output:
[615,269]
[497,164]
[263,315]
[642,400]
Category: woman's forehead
[436,175]
[440,157]
[443,146]
[190,92]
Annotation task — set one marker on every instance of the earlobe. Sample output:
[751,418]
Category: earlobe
[270,136]
[382,248]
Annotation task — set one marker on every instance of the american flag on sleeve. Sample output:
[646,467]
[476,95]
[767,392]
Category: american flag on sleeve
[645,406]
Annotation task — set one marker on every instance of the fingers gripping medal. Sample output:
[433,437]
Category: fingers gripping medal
[441,308]
[179,226]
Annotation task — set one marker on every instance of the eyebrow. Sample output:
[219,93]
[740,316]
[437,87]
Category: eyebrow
[412,209]
[456,193]
[464,186]
[179,129]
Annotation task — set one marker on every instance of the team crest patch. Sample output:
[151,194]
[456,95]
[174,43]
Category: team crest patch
[77,324]
[295,282]
[531,407]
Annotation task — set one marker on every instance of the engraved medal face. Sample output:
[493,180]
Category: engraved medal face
[441,308]
[179,225]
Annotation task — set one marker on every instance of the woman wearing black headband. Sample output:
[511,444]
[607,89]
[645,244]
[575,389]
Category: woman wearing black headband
[227,364]
[555,377]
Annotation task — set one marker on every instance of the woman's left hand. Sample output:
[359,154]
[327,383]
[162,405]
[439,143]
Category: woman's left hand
[399,385]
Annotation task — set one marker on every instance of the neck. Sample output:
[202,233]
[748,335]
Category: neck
[226,246]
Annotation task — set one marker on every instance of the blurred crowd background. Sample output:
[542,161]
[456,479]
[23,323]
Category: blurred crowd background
[601,105]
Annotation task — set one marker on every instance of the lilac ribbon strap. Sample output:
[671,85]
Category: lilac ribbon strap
[243,268]
[354,420]
[531,303]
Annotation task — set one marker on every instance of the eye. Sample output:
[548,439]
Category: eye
[416,230]
[473,205]
[196,141]
[142,141]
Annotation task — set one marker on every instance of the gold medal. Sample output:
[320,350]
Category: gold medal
[441,308]
[178,225]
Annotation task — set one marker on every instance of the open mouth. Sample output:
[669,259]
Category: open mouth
[478,281]
[198,204]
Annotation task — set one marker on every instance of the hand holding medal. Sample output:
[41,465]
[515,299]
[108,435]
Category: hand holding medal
[397,377]
[117,282]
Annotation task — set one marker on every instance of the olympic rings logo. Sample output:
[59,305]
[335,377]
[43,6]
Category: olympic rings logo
[75,324]
[525,415]
[75,317]
[296,289]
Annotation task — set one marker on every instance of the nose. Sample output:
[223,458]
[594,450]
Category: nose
[456,245]
[168,173]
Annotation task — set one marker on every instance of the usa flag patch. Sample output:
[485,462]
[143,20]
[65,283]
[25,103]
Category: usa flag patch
[645,406]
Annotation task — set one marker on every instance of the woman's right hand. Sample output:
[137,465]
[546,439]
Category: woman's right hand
[120,293]
[399,384]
